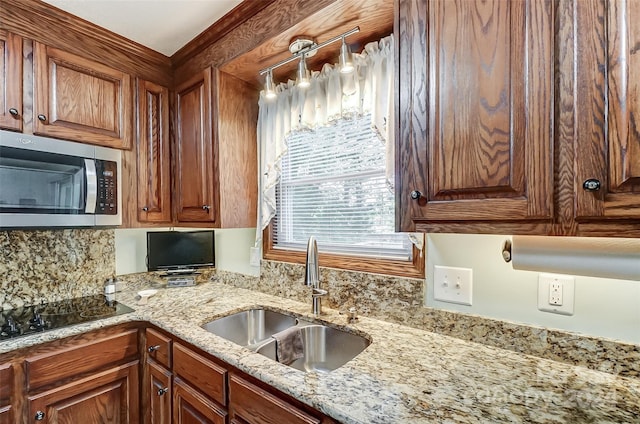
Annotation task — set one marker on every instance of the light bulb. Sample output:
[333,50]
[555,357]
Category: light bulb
[303,73]
[346,59]
[269,89]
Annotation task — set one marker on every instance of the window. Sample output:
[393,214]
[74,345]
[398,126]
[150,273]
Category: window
[333,186]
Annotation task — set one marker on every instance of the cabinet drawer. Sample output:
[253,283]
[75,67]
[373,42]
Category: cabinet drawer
[209,377]
[65,362]
[6,381]
[159,347]
[257,406]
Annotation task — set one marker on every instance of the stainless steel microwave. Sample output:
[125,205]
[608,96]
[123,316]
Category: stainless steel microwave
[46,182]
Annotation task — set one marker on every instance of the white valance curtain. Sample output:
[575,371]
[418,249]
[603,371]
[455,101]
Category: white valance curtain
[332,95]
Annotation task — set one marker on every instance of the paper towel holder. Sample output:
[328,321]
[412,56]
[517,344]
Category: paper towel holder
[506,251]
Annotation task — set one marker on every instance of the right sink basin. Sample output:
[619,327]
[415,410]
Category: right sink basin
[325,348]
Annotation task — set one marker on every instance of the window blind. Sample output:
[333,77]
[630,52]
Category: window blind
[333,186]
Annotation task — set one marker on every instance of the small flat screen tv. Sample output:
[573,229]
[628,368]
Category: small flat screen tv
[178,250]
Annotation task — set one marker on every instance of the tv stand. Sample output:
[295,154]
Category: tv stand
[180,277]
[175,272]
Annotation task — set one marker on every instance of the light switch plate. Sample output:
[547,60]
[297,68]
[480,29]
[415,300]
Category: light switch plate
[453,285]
[556,293]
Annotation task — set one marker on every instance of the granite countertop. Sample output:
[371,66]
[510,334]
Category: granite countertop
[406,375]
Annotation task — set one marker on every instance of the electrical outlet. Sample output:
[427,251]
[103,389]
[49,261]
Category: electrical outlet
[556,293]
[453,285]
[254,256]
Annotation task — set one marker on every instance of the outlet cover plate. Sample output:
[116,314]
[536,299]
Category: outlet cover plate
[545,283]
[453,285]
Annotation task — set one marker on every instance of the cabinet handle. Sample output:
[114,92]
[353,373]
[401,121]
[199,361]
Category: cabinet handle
[146,209]
[39,416]
[163,391]
[14,112]
[206,207]
[415,195]
[42,117]
[591,184]
[152,349]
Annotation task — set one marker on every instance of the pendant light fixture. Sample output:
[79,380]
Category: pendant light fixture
[269,87]
[346,58]
[303,48]
[302,80]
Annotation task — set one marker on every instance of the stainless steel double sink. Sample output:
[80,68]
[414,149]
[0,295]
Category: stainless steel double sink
[325,348]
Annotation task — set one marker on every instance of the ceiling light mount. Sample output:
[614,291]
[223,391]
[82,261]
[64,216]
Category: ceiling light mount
[303,47]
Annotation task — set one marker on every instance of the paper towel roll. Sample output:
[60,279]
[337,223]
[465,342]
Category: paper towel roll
[594,257]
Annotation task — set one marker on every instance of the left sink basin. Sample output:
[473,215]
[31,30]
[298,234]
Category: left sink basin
[247,328]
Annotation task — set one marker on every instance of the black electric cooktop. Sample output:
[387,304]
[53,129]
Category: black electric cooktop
[49,316]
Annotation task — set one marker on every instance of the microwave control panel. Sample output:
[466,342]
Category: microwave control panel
[107,173]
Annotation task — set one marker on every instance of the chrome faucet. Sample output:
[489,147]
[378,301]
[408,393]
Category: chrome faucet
[312,276]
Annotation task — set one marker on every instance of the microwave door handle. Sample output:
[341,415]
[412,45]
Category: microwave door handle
[92,185]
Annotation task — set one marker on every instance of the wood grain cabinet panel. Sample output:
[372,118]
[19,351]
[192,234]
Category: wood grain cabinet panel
[195,173]
[80,99]
[607,110]
[158,347]
[192,407]
[59,364]
[6,390]
[153,166]
[254,405]
[200,372]
[475,112]
[109,397]
[160,392]
[10,81]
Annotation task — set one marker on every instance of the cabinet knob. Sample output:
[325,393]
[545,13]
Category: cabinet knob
[42,117]
[39,416]
[163,391]
[591,184]
[14,112]
[415,195]
[146,209]
[152,349]
[206,207]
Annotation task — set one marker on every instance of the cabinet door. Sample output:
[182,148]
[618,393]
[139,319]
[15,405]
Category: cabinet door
[154,191]
[607,110]
[191,407]
[475,112]
[6,390]
[107,397]
[10,81]
[79,99]
[194,147]
[159,394]
[253,405]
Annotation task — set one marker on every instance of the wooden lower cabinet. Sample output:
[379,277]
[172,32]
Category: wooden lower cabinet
[6,380]
[191,407]
[251,404]
[107,397]
[159,395]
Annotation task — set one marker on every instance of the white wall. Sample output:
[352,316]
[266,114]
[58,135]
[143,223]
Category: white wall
[603,307]
[232,249]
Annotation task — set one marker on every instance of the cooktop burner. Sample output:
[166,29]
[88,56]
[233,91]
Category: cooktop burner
[48,316]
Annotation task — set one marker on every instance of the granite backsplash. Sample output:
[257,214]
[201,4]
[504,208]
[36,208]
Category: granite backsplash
[51,265]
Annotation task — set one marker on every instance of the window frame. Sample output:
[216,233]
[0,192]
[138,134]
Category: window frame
[397,268]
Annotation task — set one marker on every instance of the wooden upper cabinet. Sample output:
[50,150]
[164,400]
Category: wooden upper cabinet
[154,190]
[82,100]
[10,81]
[474,141]
[195,174]
[607,110]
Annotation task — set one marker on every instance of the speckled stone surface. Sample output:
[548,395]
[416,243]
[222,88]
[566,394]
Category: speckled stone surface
[53,265]
[406,375]
[399,300]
